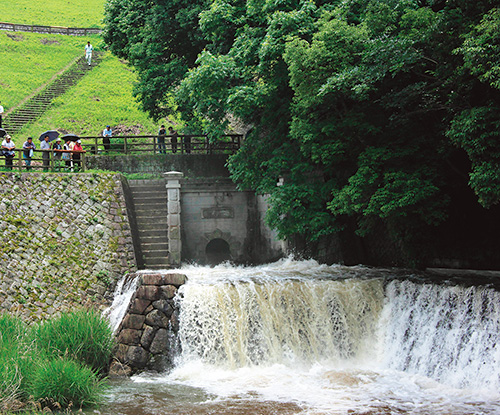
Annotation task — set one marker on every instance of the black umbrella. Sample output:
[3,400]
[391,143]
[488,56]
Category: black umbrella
[51,133]
[70,137]
[3,133]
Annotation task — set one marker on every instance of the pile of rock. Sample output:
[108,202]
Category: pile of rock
[147,336]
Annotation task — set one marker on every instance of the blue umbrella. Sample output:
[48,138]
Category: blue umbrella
[51,133]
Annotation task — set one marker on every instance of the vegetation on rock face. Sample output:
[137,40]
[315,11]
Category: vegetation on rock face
[377,114]
[55,363]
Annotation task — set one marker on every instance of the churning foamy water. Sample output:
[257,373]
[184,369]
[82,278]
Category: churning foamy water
[296,337]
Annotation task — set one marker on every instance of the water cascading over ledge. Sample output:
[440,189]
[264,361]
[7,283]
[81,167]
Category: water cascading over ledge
[326,319]
[147,328]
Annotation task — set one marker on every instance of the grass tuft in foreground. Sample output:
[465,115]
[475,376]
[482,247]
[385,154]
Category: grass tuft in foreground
[58,363]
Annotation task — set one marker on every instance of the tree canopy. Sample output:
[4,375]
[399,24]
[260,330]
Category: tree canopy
[372,112]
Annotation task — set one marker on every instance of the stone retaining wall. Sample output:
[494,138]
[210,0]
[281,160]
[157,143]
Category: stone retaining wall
[147,336]
[65,241]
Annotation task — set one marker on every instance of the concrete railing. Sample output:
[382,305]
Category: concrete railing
[58,30]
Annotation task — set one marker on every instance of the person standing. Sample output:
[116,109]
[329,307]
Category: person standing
[77,148]
[173,139]
[1,115]
[45,147]
[161,139]
[8,151]
[88,52]
[106,137]
[57,147]
[28,149]
[67,156]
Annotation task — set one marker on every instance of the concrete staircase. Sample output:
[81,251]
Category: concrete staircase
[150,206]
[35,106]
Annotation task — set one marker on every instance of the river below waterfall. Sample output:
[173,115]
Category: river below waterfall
[296,337]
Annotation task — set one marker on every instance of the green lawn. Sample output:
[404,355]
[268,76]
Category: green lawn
[69,13]
[30,60]
[103,97]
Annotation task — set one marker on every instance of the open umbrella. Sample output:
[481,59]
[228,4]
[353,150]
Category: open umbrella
[51,133]
[70,137]
[3,133]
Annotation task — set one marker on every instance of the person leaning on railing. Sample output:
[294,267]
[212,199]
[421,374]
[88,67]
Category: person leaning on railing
[45,147]
[77,156]
[8,147]
[28,148]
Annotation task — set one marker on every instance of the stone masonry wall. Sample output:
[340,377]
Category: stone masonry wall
[65,240]
[147,335]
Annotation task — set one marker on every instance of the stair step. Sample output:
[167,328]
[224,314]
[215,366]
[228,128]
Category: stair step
[157,261]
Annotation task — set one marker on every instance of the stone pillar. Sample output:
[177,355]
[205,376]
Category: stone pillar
[174,216]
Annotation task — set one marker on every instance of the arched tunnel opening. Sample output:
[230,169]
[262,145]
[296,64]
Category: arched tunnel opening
[217,251]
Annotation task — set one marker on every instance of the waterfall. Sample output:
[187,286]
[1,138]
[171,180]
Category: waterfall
[448,333]
[279,321]
[303,312]
[297,337]
[125,289]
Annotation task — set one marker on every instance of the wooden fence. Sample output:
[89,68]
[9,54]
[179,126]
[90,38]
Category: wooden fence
[58,30]
[172,144]
[51,162]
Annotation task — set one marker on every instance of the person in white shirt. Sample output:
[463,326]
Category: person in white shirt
[7,151]
[88,52]
[1,114]
[45,145]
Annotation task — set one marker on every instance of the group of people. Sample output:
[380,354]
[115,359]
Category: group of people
[162,133]
[69,153]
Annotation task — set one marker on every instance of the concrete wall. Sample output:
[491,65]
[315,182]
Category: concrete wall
[214,211]
[65,240]
[192,165]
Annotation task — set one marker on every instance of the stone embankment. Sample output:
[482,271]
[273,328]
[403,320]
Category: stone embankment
[147,336]
[65,241]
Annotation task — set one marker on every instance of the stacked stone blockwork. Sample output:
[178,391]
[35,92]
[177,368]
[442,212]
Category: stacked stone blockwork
[147,335]
[65,239]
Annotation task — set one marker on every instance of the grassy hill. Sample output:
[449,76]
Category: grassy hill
[102,97]
[30,61]
[69,13]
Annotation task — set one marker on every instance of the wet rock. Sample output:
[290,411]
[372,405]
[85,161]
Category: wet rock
[157,319]
[133,321]
[148,335]
[160,342]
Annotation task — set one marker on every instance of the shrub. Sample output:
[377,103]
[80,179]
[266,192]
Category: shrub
[82,335]
[62,382]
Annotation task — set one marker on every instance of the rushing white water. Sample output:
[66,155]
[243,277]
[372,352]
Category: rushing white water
[306,338]
[124,291]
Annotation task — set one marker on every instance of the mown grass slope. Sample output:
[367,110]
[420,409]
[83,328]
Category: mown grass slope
[69,13]
[103,96]
[30,60]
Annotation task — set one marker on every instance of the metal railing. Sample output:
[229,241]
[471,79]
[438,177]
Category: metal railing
[172,144]
[51,162]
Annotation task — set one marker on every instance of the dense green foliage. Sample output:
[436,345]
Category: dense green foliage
[82,335]
[69,13]
[55,363]
[377,114]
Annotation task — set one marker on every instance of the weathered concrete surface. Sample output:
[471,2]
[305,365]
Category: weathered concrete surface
[192,165]
[147,334]
[65,241]
[215,211]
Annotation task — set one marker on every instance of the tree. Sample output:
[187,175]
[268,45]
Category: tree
[364,107]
